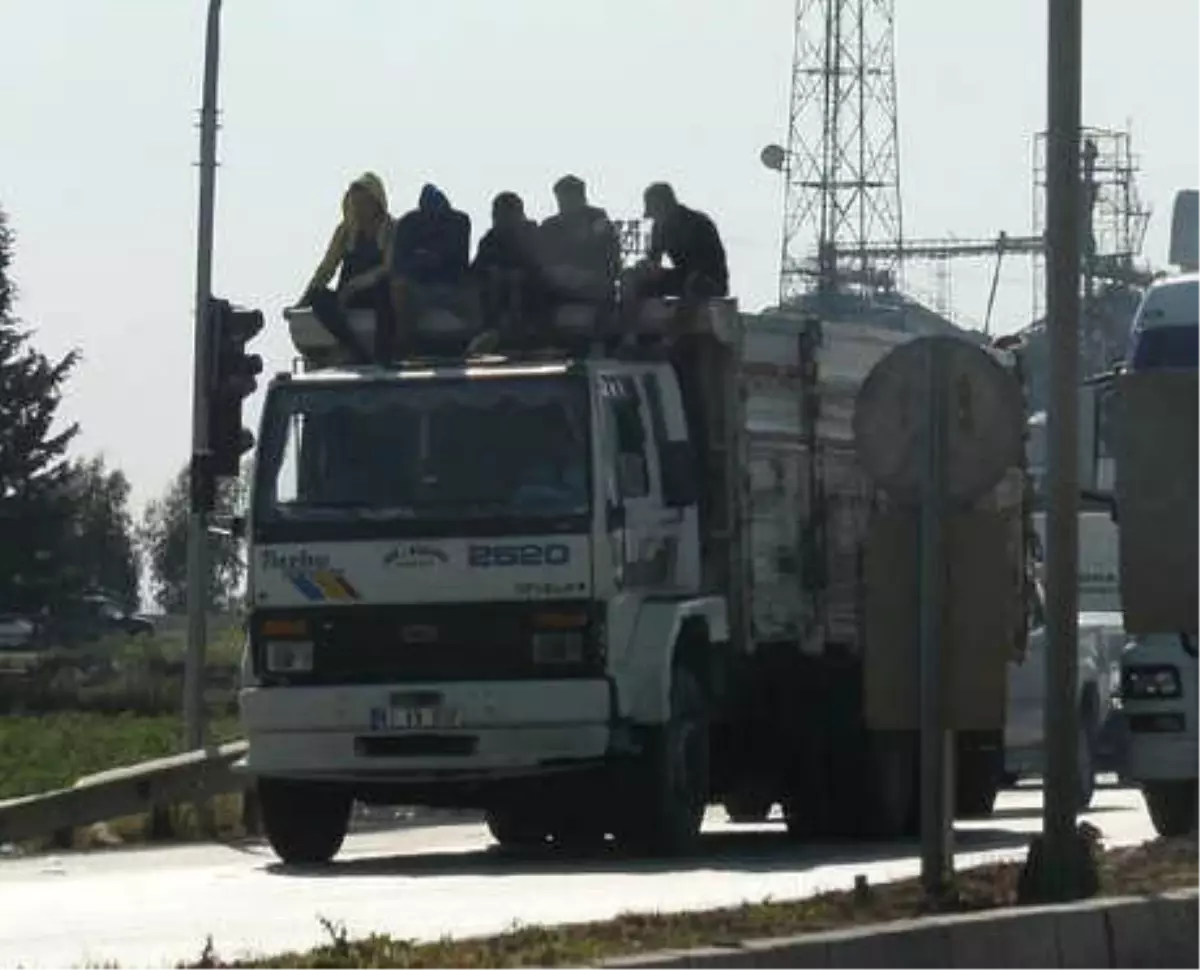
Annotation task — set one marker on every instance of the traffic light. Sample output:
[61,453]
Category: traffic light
[232,380]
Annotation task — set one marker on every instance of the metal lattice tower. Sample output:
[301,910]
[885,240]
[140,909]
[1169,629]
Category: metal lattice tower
[841,164]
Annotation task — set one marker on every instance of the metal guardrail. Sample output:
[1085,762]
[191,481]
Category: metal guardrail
[193,776]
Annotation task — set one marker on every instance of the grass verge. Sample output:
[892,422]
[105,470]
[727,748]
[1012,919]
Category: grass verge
[39,753]
[45,752]
[1155,867]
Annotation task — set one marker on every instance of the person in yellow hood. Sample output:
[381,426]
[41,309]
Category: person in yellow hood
[360,253]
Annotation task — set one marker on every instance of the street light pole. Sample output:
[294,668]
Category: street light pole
[1060,867]
[198,559]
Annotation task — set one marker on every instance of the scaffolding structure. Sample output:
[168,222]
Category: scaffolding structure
[1115,218]
[1114,228]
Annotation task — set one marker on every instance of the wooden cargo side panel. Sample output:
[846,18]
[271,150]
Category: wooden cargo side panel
[1156,483]
[981,612]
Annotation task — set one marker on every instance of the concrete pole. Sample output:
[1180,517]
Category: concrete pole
[1064,247]
[198,558]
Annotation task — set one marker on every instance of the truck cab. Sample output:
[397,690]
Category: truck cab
[468,582]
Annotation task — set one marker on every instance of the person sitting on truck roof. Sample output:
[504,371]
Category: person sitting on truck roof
[582,250]
[358,252]
[430,254]
[509,271]
[690,238]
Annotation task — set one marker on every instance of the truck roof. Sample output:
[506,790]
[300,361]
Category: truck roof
[319,350]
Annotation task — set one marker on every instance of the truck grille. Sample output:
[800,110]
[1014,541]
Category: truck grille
[446,642]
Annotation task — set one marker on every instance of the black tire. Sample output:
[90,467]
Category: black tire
[516,831]
[891,807]
[1172,806]
[580,835]
[747,809]
[672,776]
[804,821]
[305,823]
[976,784]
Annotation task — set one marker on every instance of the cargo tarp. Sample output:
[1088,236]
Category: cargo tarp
[981,617]
[1156,500]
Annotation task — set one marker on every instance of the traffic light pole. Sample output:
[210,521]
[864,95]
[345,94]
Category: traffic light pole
[198,558]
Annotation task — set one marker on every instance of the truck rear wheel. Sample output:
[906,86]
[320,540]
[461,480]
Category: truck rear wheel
[748,809]
[305,823]
[516,830]
[671,777]
[978,769]
[891,806]
[1172,806]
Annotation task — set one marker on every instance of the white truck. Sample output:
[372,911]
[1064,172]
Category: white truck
[1156,502]
[586,594]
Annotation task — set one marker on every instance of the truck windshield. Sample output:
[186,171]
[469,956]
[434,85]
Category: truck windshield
[425,449]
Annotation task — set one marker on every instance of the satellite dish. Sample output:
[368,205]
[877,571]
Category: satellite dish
[774,157]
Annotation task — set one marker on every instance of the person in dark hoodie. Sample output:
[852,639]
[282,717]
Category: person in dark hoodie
[508,268]
[431,248]
[358,253]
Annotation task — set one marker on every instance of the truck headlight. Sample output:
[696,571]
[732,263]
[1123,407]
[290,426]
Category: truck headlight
[289,656]
[1149,683]
[558,647]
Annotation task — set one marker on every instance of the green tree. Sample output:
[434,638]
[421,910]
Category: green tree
[104,547]
[164,539]
[35,562]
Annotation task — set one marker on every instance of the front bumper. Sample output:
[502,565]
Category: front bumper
[505,729]
[1159,742]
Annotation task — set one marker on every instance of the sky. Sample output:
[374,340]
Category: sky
[98,102]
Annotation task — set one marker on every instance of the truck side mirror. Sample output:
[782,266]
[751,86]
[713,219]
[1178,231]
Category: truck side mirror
[678,475]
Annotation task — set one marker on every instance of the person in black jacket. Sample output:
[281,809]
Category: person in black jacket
[508,268]
[691,240]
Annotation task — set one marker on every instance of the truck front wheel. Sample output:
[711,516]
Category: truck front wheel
[305,823]
[671,777]
[1172,806]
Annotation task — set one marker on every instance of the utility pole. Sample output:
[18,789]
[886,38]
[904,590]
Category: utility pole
[1059,863]
[198,559]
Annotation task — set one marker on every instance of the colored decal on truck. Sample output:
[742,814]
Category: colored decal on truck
[323,586]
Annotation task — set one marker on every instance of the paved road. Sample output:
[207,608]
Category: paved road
[156,906]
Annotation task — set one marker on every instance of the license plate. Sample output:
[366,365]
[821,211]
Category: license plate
[415,713]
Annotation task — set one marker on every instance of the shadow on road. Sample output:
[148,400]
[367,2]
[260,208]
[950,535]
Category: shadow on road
[1035,811]
[744,852]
